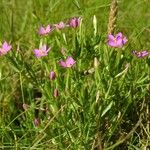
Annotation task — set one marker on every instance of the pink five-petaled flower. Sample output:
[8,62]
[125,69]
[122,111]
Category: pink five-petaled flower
[5,48]
[141,54]
[117,41]
[59,25]
[45,30]
[74,22]
[69,62]
[43,51]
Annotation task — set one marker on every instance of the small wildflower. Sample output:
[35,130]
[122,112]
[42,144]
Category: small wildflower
[36,122]
[74,22]
[69,62]
[45,30]
[52,75]
[116,41]
[59,25]
[56,93]
[141,54]
[5,48]
[43,51]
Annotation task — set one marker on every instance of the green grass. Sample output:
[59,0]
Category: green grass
[108,109]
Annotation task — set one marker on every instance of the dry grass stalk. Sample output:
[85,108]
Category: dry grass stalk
[112,17]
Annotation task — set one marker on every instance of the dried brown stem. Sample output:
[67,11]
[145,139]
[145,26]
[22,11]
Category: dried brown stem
[112,17]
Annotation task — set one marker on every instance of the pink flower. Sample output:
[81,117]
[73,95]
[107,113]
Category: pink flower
[60,25]
[141,54]
[56,93]
[43,51]
[69,62]
[116,41]
[5,48]
[52,75]
[74,22]
[45,30]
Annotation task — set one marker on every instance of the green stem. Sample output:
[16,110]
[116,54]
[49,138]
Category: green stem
[22,93]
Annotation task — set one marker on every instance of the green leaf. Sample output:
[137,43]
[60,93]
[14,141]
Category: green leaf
[107,108]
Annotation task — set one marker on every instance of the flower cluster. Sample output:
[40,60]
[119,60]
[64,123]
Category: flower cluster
[114,41]
[73,22]
[118,41]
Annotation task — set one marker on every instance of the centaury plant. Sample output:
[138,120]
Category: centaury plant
[69,83]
